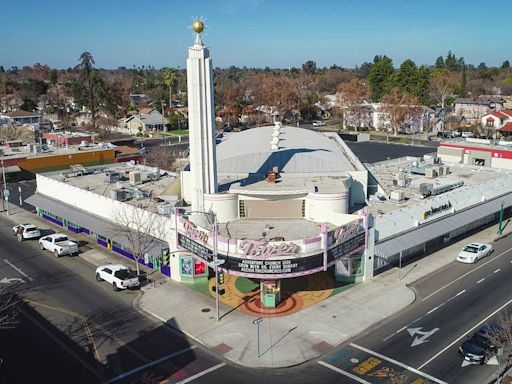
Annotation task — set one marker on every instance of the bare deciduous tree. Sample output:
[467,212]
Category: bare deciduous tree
[164,157]
[9,307]
[350,98]
[9,132]
[400,108]
[139,229]
[442,85]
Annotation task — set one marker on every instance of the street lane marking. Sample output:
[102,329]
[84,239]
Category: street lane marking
[417,371]
[496,271]
[479,281]
[19,270]
[418,319]
[464,334]
[344,373]
[76,356]
[401,329]
[432,310]
[83,318]
[460,293]
[464,275]
[201,373]
[150,364]
[88,333]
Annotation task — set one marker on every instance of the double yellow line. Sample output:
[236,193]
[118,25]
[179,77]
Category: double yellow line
[86,322]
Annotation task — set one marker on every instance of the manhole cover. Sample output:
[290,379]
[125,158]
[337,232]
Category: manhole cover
[204,310]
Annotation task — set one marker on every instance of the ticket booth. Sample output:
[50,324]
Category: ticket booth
[270,293]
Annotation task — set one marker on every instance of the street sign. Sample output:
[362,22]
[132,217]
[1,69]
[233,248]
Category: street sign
[258,320]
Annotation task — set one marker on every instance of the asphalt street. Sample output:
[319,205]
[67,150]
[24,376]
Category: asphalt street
[97,334]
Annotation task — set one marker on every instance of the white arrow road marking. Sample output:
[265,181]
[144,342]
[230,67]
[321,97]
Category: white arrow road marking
[465,363]
[7,280]
[18,270]
[424,335]
[354,360]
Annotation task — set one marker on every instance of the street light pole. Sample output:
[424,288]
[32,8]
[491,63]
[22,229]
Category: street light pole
[215,230]
[5,191]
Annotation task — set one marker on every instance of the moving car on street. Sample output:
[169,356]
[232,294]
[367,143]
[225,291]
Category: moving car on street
[118,275]
[59,244]
[30,231]
[474,252]
[479,348]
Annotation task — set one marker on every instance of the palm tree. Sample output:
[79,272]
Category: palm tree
[170,80]
[86,73]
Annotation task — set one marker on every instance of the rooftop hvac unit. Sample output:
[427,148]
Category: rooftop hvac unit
[165,209]
[431,173]
[425,188]
[446,170]
[112,177]
[135,178]
[441,171]
[402,183]
[397,195]
[118,194]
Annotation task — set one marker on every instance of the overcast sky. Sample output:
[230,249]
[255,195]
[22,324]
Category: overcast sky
[253,33]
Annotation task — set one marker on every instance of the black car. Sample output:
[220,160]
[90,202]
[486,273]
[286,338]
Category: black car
[479,348]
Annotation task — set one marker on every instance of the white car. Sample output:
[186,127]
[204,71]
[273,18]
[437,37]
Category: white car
[467,134]
[30,231]
[474,252]
[318,123]
[118,275]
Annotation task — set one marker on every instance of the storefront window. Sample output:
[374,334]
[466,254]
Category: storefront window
[356,265]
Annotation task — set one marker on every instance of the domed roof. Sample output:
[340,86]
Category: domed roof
[299,151]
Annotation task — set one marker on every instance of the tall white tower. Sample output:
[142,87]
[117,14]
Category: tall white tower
[201,120]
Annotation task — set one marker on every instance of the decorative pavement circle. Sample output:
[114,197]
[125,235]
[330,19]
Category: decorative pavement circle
[296,294]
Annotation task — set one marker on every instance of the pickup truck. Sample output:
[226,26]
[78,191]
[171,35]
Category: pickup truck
[59,244]
[118,275]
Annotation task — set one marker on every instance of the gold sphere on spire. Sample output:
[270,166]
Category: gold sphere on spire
[198,26]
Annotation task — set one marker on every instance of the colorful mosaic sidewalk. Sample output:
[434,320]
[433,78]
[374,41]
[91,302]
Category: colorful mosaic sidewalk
[296,294]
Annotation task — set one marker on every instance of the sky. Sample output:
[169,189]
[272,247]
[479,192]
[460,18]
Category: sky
[253,33]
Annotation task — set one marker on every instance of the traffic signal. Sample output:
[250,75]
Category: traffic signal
[165,257]
[220,278]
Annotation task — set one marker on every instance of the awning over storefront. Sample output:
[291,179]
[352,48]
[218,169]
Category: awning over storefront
[84,219]
[447,224]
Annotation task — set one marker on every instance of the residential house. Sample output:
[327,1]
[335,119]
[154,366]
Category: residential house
[150,121]
[496,120]
[474,108]
[21,117]
[448,123]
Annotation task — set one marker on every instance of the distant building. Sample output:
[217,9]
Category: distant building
[496,120]
[23,117]
[474,108]
[151,120]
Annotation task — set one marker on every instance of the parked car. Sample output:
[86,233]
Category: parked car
[467,134]
[30,231]
[118,275]
[474,252]
[479,347]
[318,123]
[59,244]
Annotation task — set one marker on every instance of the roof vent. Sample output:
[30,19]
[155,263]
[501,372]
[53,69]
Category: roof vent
[274,143]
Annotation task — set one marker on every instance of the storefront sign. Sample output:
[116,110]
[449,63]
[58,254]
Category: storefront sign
[186,265]
[347,231]
[288,267]
[193,233]
[434,211]
[194,247]
[262,249]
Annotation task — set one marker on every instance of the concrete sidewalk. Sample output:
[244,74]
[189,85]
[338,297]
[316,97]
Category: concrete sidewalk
[288,340]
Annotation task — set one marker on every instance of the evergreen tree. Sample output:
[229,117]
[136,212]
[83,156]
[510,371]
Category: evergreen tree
[379,77]
[506,64]
[440,62]
[463,81]
[451,61]
[406,77]
[421,90]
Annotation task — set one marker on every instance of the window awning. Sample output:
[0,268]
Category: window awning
[447,224]
[86,220]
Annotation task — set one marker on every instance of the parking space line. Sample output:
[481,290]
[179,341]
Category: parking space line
[18,270]
[193,377]
[344,373]
[417,371]
[464,334]
[150,364]
[466,274]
